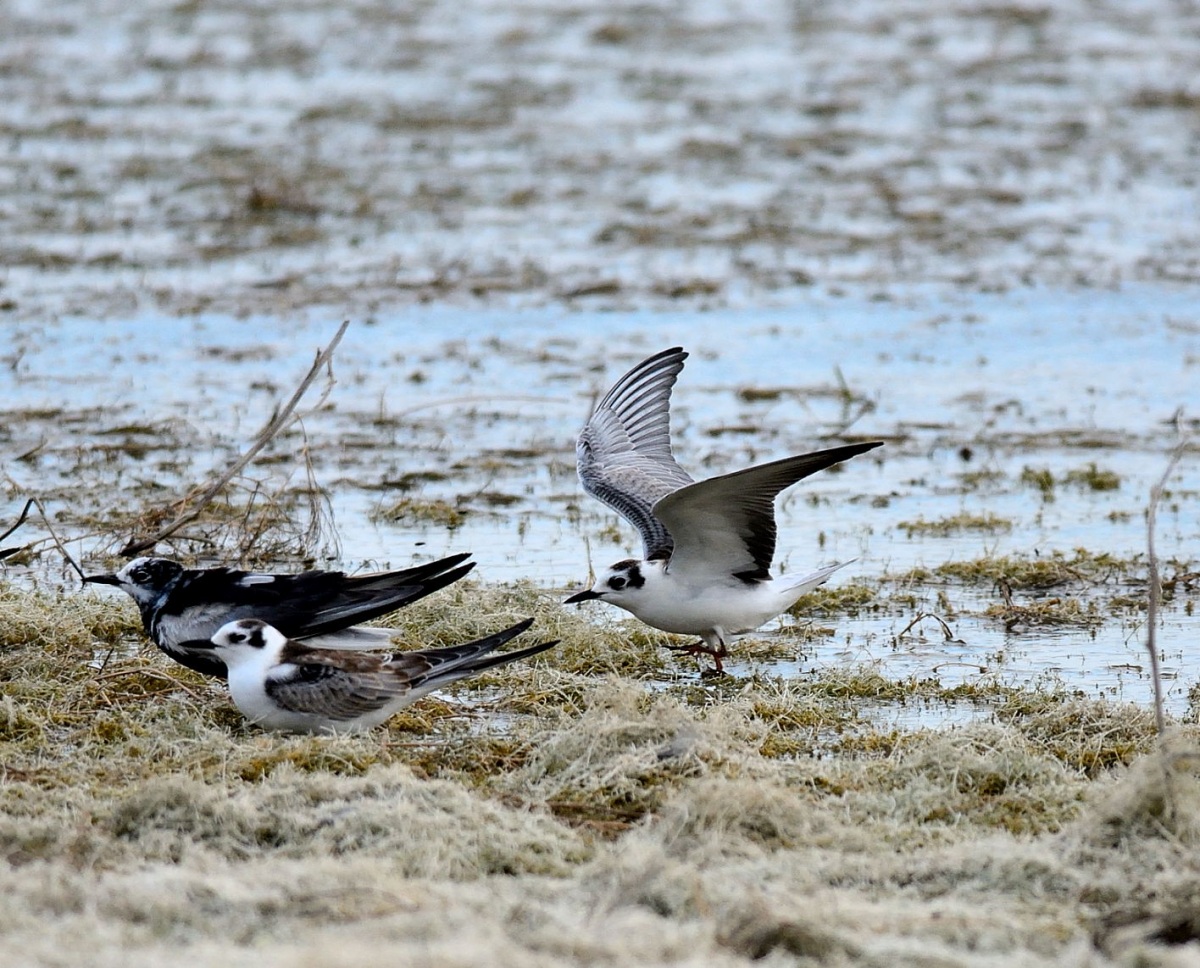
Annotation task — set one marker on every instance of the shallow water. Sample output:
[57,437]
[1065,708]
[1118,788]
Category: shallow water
[480,411]
[278,157]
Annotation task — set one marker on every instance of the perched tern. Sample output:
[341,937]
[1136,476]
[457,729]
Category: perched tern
[281,684]
[182,607]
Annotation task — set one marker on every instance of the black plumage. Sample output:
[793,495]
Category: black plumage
[182,608]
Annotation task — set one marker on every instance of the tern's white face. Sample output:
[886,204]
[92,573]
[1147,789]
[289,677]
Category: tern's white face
[618,584]
[247,639]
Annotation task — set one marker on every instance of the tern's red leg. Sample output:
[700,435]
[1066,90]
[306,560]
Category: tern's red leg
[702,648]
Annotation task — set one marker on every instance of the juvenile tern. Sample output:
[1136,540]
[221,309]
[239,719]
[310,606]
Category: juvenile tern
[285,685]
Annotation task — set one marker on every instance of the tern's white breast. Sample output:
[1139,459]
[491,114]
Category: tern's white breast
[687,608]
[247,687]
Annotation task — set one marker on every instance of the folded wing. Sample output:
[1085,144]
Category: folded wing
[312,603]
[342,685]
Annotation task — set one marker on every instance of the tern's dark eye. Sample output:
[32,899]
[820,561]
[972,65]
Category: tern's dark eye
[616,584]
[235,637]
[140,575]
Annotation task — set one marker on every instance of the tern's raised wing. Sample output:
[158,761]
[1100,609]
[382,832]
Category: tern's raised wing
[624,450]
[726,525]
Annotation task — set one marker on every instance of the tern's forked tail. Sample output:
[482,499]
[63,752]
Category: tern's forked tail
[802,586]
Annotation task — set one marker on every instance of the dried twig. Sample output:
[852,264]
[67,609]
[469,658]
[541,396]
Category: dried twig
[321,525]
[947,634]
[20,520]
[57,543]
[33,502]
[280,420]
[1155,582]
[474,398]
[9,552]
[147,673]
[847,397]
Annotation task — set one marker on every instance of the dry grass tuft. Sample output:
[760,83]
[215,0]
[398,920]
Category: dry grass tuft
[589,807]
[429,828]
[618,760]
[1158,798]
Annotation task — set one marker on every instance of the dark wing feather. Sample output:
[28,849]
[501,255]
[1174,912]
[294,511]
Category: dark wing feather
[365,597]
[623,453]
[726,525]
[198,657]
[432,668]
[311,603]
[329,689]
[343,685]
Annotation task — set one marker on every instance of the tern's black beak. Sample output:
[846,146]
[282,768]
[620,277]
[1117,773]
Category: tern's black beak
[585,596]
[198,644]
[102,579]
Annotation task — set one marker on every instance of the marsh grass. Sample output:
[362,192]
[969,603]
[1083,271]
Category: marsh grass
[561,810]
[1063,612]
[847,598]
[1044,571]
[1092,478]
[988,523]
[408,510]
[266,515]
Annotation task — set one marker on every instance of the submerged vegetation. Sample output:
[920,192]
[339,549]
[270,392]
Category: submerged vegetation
[964,521]
[410,511]
[1087,478]
[1036,571]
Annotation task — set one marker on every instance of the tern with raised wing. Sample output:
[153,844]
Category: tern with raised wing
[707,546]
